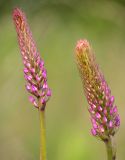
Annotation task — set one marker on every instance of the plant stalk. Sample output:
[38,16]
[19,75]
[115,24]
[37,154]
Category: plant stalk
[111,149]
[42,135]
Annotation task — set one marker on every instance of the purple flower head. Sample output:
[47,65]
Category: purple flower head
[34,70]
[105,118]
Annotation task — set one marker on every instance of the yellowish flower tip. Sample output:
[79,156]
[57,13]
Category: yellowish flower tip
[82,46]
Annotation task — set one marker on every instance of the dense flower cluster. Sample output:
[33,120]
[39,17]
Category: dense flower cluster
[34,70]
[104,114]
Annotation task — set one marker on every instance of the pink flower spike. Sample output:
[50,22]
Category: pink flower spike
[34,70]
[104,114]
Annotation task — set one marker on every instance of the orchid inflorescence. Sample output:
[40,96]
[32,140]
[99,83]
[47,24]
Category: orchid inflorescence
[34,70]
[104,115]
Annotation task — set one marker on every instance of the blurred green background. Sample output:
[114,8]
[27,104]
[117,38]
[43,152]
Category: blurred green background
[56,27]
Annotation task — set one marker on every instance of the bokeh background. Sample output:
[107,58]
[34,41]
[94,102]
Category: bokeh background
[56,27]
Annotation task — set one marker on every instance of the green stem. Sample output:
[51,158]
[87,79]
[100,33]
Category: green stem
[111,150]
[42,135]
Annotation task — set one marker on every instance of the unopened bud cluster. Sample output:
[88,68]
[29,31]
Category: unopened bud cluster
[34,70]
[104,115]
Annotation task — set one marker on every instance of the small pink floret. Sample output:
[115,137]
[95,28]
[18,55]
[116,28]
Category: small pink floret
[44,73]
[110,124]
[104,119]
[98,116]
[28,87]
[25,70]
[101,129]
[105,111]
[29,77]
[45,86]
[28,65]
[34,88]
[115,110]
[38,78]
[41,64]
[111,111]
[43,101]
[112,99]
[48,93]
[95,126]
[93,131]
[33,70]
[93,106]
[31,99]
[99,108]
